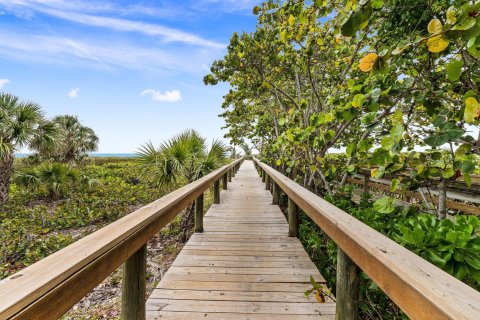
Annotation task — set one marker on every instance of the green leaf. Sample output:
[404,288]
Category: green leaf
[384,205]
[394,185]
[454,70]
[350,149]
[467,179]
[465,23]
[435,258]
[368,118]
[448,173]
[473,262]
[357,21]
[380,156]
[377,4]
[436,140]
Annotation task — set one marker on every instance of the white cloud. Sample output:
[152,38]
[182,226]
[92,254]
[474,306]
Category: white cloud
[73,93]
[94,52]
[4,82]
[59,9]
[168,96]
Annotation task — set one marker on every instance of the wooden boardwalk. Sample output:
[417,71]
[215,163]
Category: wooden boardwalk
[243,266]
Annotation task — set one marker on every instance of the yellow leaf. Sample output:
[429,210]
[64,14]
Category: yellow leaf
[451,15]
[367,62]
[320,297]
[472,110]
[338,39]
[291,20]
[435,26]
[437,43]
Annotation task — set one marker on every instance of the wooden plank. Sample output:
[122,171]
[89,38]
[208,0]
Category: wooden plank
[299,287]
[243,307]
[240,270]
[242,264]
[169,315]
[420,289]
[219,295]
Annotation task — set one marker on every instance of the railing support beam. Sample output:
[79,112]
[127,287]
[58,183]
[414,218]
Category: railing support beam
[133,286]
[199,213]
[292,218]
[366,181]
[216,192]
[225,181]
[348,287]
[276,193]
[267,182]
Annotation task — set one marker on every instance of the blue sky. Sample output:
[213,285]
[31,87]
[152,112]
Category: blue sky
[131,70]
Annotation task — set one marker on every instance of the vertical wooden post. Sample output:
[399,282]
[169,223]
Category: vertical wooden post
[199,214]
[229,174]
[216,192]
[276,193]
[292,218]
[267,182]
[348,284]
[224,181]
[264,174]
[366,181]
[133,285]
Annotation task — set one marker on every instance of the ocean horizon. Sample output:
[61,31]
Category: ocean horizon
[93,155]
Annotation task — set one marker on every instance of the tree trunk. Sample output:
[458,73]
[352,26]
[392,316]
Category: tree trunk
[6,169]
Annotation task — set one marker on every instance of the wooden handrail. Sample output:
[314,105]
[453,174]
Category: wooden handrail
[50,287]
[419,288]
[472,209]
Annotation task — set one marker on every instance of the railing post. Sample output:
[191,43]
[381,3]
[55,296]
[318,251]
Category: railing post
[267,182]
[264,174]
[216,192]
[225,181]
[276,193]
[133,286]
[229,175]
[366,181]
[199,214]
[348,284]
[292,218]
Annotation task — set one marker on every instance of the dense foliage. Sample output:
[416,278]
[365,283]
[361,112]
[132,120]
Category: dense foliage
[22,124]
[380,79]
[34,225]
[323,89]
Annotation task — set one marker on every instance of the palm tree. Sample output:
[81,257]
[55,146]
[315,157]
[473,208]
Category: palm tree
[184,158]
[54,178]
[22,124]
[75,142]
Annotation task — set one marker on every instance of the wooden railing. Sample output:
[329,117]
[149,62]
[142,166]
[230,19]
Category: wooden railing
[50,287]
[420,289]
[366,182]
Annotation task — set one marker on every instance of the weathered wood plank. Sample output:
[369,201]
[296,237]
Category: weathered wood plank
[169,315]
